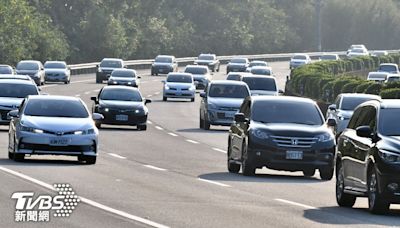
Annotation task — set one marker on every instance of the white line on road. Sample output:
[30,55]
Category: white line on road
[149,122]
[154,167]
[173,134]
[87,92]
[296,204]
[87,201]
[219,150]
[116,156]
[159,128]
[157,93]
[214,182]
[155,80]
[88,80]
[48,86]
[192,141]
[77,95]
[149,95]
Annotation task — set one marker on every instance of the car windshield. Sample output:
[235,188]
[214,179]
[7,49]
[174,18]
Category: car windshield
[389,123]
[163,60]
[302,57]
[282,112]
[120,95]
[206,57]
[328,57]
[111,64]
[257,64]
[358,50]
[17,90]
[27,66]
[261,71]
[56,108]
[55,65]
[350,103]
[5,70]
[123,73]
[377,76]
[267,84]
[238,61]
[388,68]
[234,77]
[196,70]
[228,91]
[394,79]
[180,78]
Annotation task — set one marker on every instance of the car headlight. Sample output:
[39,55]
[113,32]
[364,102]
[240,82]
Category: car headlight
[260,134]
[166,87]
[36,75]
[114,82]
[104,109]
[192,88]
[325,137]
[90,131]
[99,70]
[129,83]
[137,111]
[341,117]
[31,129]
[389,156]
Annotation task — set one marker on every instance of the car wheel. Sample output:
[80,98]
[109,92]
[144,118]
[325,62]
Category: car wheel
[207,124]
[98,80]
[81,158]
[142,127]
[343,199]
[19,157]
[201,121]
[98,125]
[376,203]
[164,98]
[309,172]
[90,160]
[326,173]
[248,168]
[232,167]
[192,100]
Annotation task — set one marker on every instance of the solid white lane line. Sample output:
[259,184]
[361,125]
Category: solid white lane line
[173,134]
[192,141]
[159,128]
[116,156]
[214,182]
[295,204]
[87,201]
[219,150]
[154,167]
[149,122]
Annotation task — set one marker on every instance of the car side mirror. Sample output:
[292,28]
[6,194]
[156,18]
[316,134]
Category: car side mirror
[203,95]
[94,99]
[40,89]
[280,91]
[195,83]
[331,122]
[163,81]
[332,107]
[13,114]
[147,101]
[97,116]
[240,118]
[364,131]
[139,77]
[97,65]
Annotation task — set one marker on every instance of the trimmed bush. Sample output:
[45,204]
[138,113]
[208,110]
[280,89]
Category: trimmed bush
[374,89]
[390,93]
[350,87]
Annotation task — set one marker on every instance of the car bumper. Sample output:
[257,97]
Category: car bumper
[161,70]
[276,157]
[179,94]
[123,119]
[387,175]
[220,117]
[56,78]
[133,84]
[40,144]
[237,69]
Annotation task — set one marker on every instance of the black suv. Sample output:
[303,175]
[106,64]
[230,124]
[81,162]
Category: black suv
[106,67]
[281,133]
[368,156]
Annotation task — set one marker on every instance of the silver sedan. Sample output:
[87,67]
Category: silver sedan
[53,125]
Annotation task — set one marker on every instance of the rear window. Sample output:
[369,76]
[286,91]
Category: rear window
[206,57]
[180,78]
[261,71]
[350,103]
[267,84]
[228,91]
[300,57]
[282,112]
[196,70]
[27,66]
[5,70]
[388,68]
[55,65]
[17,90]
[163,60]
[252,64]
[234,77]
[238,61]
[111,64]
[56,108]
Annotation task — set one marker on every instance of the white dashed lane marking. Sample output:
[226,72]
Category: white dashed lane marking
[295,204]
[173,134]
[214,182]
[159,128]
[219,150]
[117,156]
[149,122]
[192,141]
[154,167]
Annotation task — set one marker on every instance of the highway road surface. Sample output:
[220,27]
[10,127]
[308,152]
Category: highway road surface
[173,175]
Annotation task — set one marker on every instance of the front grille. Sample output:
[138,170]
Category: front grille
[173,89]
[229,109]
[54,74]
[184,89]
[43,147]
[294,142]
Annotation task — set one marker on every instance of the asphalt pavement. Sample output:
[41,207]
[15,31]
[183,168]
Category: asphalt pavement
[173,175]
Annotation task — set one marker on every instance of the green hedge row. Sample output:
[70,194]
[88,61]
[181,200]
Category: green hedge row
[321,80]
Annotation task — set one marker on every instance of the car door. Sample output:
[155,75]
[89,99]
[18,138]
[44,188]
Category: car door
[363,146]
[239,132]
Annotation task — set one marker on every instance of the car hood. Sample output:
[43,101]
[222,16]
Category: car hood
[197,76]
[57,124]
[10,102]
[27,71]
[162,64]
[290,130]
[55,71]
[298,61]
[263,92]
[122,79]
[345,113]
[121,104]
[226,102]
[390,143]
[179,85]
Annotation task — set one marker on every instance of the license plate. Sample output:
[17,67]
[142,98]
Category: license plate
[294,155]
[121,117]
[229,115]
[59,141]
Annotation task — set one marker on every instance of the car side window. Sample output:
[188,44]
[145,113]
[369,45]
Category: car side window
[337,102]
[354,119]
[247,110]
[243,107]
[21,107]
[367,117]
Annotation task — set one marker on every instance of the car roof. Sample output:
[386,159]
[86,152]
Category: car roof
[53,97]
[227,82]
[124,69]
[181,74]
[259,76]
[4,65]
[239,73]
[121,87]
[378,73]
[12,80]
[15,76]
[261,67]
[388,64]
[360,95]
[393,75]
[288,99]
[240,58]
[165,56]
[55,62]
[258,61]
[30,61]
[207,54]
[111,59]
[197,66]
[390,103]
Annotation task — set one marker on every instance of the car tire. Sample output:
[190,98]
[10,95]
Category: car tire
[19,157]
[376,202]
[232,167]
[207,124]
[248,168]
[90,160]
[164,98]
[201,123]
[98,125]
[98,80]
[142,127]
[343,199]
[309,172]
[192,100]
[326,173]
[10,156]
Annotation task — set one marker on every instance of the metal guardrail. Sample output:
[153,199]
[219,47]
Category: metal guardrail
[146,63]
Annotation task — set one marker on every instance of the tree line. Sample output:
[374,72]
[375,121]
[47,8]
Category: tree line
[88,30]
